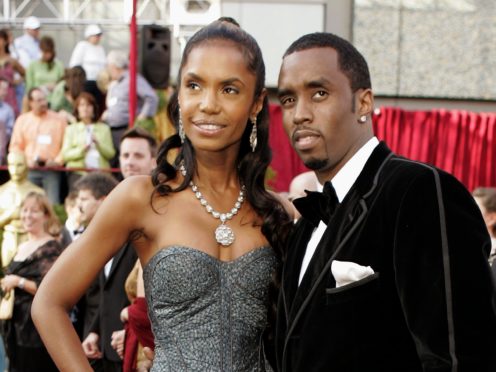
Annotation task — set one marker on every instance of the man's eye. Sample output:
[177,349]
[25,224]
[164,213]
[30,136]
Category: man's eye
[320,94]
[285,101]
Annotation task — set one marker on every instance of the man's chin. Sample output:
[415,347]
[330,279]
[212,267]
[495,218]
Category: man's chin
[315,164]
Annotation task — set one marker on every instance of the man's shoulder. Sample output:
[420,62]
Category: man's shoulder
[23,118]
[404,165]
[407,173]
[55,117]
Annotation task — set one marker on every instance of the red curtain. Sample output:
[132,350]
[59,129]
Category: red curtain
[459,142]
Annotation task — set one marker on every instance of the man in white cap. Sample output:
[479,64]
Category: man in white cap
[28,45]
[90,55]
[28,50]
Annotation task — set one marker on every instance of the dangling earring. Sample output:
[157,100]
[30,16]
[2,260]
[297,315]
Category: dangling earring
[362,119]
[182,134]
[253,135]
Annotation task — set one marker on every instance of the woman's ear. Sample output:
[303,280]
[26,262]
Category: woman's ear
[258,104]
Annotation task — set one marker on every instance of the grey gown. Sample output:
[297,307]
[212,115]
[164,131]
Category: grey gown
[206,314]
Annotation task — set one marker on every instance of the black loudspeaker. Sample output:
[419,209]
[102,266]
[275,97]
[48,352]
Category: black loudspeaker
[155,55]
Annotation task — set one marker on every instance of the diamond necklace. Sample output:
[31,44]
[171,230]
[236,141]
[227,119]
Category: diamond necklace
[223,233]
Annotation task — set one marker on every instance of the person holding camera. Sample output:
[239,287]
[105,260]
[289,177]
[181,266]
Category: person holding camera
[39,134]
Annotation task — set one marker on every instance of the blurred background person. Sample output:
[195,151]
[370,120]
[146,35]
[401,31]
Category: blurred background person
[7,114]
[90,55]
[304,181]
[73,222]
[27,48]
[9,66]
[39,134]
[117,112]
[137,157]
[92,190]
[87,143]
[25,272]
[45,72]
[66,91]
[485,197]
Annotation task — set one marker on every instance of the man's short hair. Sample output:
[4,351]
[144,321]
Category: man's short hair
[34,89]
[118,58]
[137,132]
[100,184]
[350,60]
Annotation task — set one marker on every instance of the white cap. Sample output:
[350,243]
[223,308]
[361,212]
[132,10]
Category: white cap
[31,23]
[92,30]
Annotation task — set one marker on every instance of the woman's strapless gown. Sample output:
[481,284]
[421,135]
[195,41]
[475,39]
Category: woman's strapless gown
[206,314]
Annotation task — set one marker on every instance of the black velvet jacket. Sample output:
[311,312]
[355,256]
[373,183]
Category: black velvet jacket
[112,299]
[429,306]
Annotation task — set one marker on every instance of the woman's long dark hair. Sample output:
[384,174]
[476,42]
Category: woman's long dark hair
[252,166]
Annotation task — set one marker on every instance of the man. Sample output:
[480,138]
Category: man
[27,49]
[485,197]
[117,113]
[387,269]
[39,134]
[92,190]
[12,193]
[137,157]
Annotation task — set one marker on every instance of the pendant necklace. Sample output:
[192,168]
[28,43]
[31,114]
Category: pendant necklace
[224,235]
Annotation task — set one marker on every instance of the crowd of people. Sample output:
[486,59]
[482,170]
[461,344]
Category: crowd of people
[66,116]
[190,263]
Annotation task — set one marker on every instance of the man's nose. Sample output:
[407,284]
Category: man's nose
[302,113]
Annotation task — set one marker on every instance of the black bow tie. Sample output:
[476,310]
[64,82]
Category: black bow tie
[318,206]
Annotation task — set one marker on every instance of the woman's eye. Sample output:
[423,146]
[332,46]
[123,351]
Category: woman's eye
[230,90]
[193,86]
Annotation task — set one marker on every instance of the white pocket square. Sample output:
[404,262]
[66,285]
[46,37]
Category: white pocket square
[346,272]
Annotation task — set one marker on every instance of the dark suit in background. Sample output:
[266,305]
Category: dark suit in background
[429,306]
[112,300]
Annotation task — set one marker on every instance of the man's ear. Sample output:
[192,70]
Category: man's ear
[365,99]
[258,104]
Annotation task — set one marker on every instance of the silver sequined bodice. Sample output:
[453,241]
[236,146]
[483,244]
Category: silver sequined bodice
[206,314]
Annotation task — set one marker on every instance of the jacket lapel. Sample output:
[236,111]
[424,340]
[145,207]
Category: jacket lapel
[116,260]
[289,282]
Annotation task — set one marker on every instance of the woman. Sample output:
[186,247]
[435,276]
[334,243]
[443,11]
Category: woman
[88,143]
[91,56]
[208,234]
[137,327]
[47,71]
[32,261]
[8,67]
[66,91]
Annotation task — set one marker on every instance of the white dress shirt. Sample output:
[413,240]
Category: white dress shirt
[342,182]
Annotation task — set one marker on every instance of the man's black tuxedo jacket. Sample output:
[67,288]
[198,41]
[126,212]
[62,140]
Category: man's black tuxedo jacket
[113,299]
[430,304]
